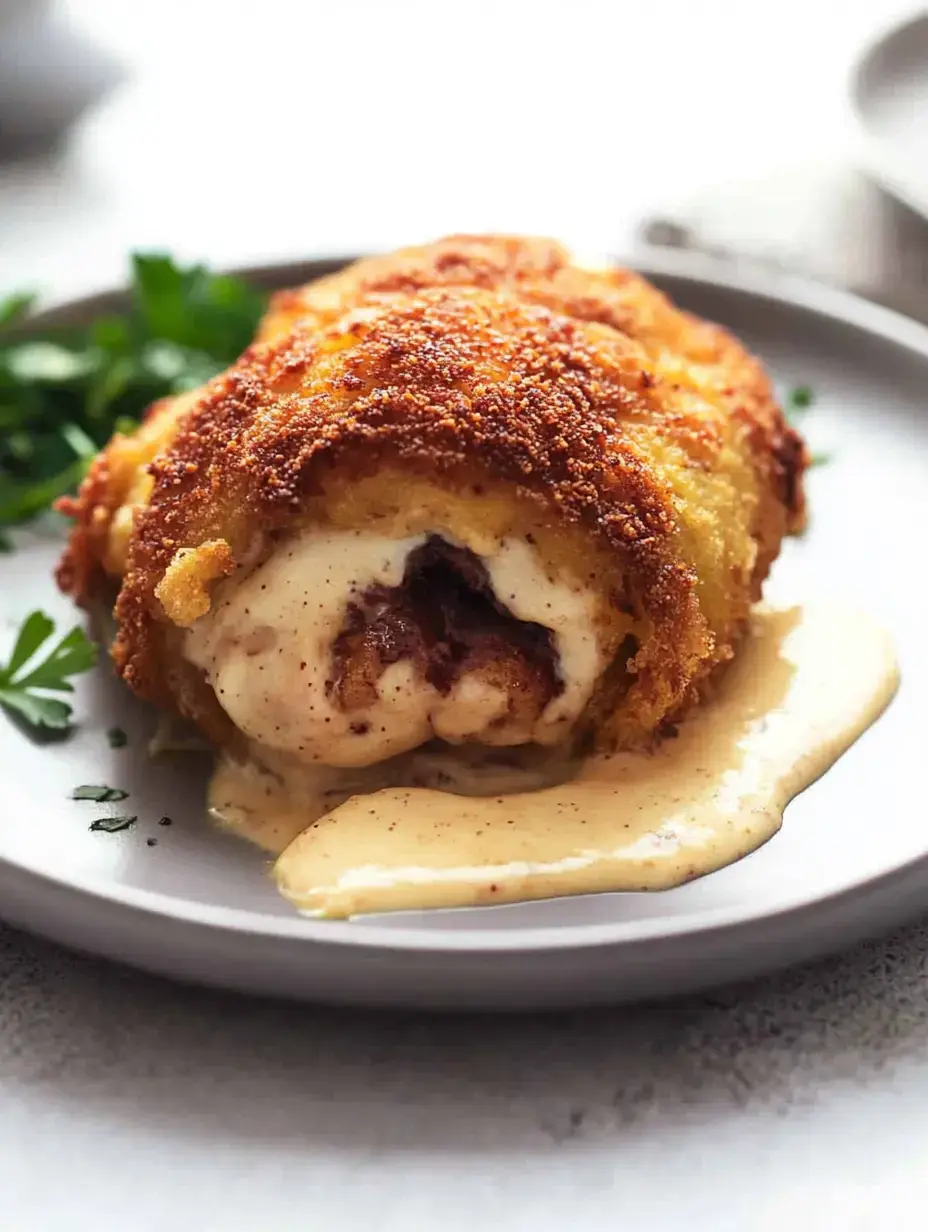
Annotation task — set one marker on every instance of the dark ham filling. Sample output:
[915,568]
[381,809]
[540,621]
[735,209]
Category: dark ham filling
[445,619]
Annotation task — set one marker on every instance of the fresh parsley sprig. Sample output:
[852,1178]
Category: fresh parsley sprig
[30,676]
[64,391]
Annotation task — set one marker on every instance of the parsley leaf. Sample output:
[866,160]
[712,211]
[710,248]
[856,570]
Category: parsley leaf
[15,308]
[27,679]
[64,391]
[99,794]
[799,400]
[112,825]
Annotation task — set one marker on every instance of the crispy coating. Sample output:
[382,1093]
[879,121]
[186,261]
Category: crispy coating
[485,380]
[541,271]
[117,484]
[183,591]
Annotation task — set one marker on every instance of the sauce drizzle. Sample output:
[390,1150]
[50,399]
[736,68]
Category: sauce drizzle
[806,683]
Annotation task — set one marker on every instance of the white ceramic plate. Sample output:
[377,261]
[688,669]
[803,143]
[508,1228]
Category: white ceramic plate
[851,859]
[889,102]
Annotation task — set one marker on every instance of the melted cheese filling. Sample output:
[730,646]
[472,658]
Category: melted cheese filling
[267,643]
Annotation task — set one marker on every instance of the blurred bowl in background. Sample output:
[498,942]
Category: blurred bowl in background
[888,95]
[14,10]
[49,74]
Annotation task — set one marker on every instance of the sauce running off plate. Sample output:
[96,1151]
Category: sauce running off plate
[804,686]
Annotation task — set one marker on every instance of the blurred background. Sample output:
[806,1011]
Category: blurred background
[245,133]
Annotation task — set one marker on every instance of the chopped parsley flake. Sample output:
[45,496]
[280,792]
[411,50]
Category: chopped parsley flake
[99,794]
[112,825]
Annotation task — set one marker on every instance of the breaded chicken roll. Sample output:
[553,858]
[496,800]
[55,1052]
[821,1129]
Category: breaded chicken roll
[524,505]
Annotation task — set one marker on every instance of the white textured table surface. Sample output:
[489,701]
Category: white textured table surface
[132,1103]
[798,1103]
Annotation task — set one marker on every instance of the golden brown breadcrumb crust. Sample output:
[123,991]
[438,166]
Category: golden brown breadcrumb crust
[183,591]
[103,509]
[475,387]
[495,366]
[541,271]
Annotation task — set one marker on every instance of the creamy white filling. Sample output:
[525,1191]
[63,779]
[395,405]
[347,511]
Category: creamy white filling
[266,647]
[521,584]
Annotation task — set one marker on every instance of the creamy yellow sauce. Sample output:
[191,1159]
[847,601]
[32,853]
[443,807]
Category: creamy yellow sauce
[805,684]
[272,798]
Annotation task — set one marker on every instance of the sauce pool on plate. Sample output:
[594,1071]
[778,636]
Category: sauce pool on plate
[806,683]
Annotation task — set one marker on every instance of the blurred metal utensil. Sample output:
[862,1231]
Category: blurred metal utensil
[845,232]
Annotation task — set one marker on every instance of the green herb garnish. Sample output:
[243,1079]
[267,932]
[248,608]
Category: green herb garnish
[99,794]
[799,400]
[112,825]
[117,738]
[795,405]
[15,308]
[63,392]
[28,678]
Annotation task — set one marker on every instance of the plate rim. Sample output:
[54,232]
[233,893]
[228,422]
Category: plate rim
[755,282]
[869,148]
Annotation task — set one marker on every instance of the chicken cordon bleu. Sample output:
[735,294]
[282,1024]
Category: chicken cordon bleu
[470,493]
